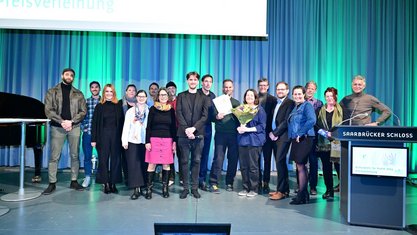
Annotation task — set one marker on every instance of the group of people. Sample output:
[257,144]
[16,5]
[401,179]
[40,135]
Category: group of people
[137,133]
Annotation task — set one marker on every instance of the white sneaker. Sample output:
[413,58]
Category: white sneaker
[86,181]
[171,182]
[243,193]
[251,194]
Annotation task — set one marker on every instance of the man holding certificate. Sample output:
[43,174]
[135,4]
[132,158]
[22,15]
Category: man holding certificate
[225,138]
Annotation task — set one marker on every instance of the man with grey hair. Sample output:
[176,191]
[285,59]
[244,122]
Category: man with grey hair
[360,103]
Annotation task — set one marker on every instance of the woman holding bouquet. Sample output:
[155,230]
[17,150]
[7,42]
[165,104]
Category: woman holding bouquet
[133,141]
[160,140]
[301,132]
[251,138]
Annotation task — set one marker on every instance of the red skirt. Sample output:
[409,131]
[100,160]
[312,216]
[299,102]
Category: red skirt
[161,151]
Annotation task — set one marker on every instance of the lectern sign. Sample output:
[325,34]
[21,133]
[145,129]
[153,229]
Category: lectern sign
[392,134]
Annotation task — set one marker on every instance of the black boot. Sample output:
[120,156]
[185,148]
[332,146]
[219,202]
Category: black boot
[165,179]
[149,185]
[135,194]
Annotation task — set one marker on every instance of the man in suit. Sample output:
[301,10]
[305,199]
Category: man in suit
[267,102]
[279,135]
[192,114]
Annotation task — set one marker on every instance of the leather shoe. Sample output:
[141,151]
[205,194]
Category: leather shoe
[75,185]
[113,188]
[202,186]
[51,188]
[328,195]
[273,193]
[278,196]
[184,193]
[195,193]
[266,188]
[298,201]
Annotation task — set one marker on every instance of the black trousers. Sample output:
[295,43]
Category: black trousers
[223,141]
[267,149]
[249,168]
[281,150]
[327,169]
[136,165]
[190,147]
[109,150]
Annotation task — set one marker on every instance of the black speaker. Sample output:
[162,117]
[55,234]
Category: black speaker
[191,228]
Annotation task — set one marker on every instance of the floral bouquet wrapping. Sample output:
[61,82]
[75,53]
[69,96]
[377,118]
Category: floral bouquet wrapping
[245,113]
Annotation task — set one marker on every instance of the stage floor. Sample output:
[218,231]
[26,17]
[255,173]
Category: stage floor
[91,212]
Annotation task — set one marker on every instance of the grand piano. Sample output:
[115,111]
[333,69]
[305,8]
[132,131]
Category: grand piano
[19,106]
[15,112]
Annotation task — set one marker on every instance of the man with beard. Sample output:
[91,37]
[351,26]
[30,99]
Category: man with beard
[192,111]
[66,108]
[86,128]
[225,139]
[279,135]
[153,92]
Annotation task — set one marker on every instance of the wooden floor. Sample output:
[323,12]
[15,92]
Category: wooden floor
[91,212]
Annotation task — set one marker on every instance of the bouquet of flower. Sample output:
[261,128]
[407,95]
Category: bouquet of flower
[245,113]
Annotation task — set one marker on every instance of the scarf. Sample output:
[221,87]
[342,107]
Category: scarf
[323,144]
[140,115]
[162,107]
[125,100]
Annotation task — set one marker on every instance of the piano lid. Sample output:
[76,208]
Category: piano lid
[19,106]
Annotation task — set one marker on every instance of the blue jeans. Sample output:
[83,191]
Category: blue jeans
[88,152]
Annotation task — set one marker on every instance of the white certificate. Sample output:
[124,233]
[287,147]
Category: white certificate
[223,104]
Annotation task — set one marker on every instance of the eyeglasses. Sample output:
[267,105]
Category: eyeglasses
[163,95]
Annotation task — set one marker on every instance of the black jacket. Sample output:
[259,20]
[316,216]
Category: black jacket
[281,120]
[189,116]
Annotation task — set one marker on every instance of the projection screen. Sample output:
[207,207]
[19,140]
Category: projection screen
[205,17]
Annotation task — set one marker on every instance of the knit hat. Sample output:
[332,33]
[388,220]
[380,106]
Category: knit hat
[171,83]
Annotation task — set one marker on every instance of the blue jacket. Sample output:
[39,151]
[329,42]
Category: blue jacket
[301,121]
[258,138]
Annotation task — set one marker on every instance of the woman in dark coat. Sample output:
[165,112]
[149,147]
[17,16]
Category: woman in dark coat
[106,134]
